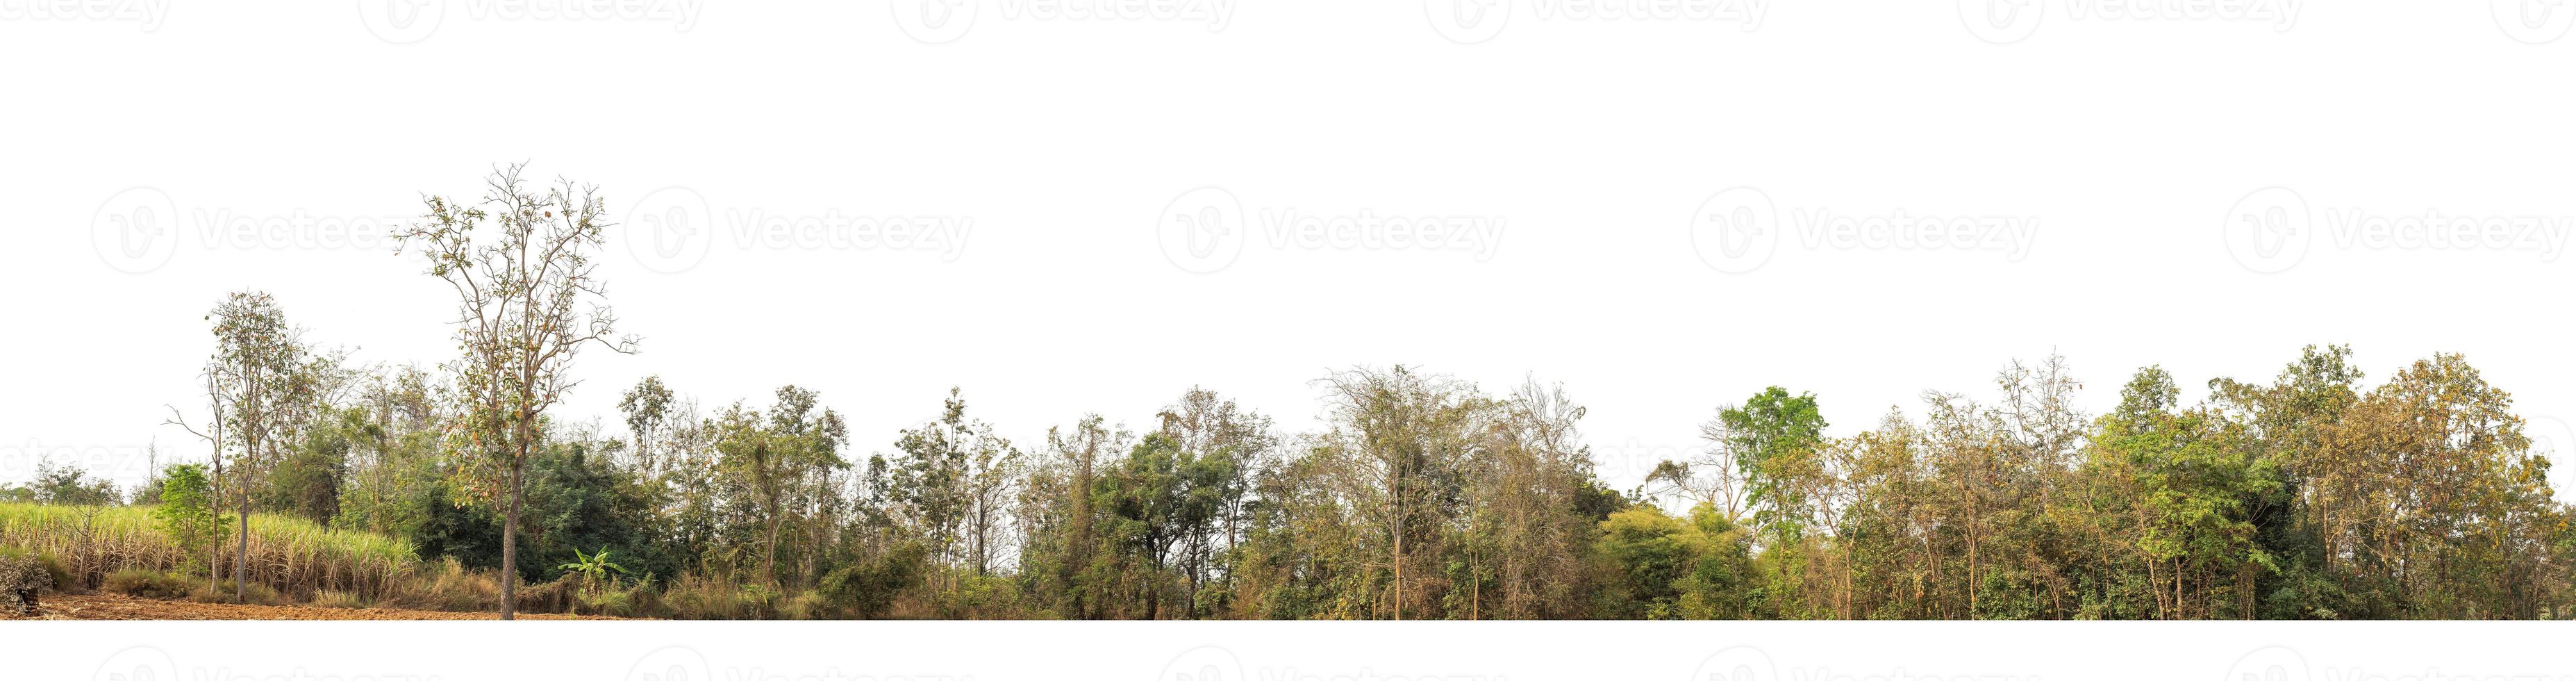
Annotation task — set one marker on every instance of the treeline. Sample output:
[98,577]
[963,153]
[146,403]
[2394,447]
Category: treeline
[2310,496]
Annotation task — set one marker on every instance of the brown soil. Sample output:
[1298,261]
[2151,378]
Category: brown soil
[104,606]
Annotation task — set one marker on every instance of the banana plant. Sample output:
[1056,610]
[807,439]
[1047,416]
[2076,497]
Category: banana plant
[593,568]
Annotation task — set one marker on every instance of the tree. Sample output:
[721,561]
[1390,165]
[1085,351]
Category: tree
[1394,453]
[1772,440]
[214,376]
[647,407]
[269,382]
[950,488]
[187,511]
[521,266]
[775,459]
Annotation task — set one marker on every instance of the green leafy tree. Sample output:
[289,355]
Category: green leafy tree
[187,511]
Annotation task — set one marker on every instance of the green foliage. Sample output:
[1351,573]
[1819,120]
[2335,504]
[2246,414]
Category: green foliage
[187,512]
[595,570]
[56,484]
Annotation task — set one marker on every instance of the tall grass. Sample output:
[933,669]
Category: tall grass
[290,555]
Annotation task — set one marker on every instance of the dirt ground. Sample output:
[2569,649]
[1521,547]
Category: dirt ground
[102,606]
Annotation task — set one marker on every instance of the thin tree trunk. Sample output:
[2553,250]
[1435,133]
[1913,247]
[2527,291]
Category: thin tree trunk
[510,542]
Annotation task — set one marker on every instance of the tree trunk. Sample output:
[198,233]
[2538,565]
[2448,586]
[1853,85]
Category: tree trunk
[510,543]
[241,554]
[769,562]
[215,540]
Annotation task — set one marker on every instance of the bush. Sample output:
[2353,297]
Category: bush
[700,598]
[141,583]
[804,605]
[61,578]
[446,585]
[21,577]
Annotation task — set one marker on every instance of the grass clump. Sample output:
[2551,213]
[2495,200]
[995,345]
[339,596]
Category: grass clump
[143,583]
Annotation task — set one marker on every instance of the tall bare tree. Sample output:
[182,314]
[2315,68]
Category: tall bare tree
[521,265]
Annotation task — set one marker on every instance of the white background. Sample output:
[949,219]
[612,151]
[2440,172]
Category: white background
[2131,142]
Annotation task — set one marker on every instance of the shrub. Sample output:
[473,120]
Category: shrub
[804,605]
[21,577]
[445,585]
[611,602]
[142,583]
[700,598]
[61,578]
